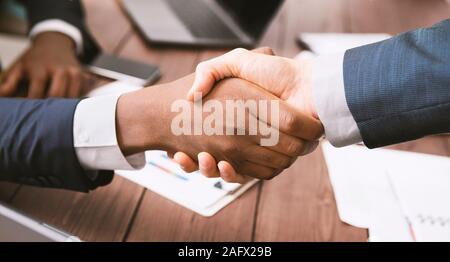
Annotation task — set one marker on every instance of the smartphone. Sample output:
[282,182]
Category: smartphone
[126,70]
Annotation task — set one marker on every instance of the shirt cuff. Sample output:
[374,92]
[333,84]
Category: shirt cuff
[60,26]
[95,139]
[331,104]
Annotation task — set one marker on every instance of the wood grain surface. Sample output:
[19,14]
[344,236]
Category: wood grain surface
[299,205]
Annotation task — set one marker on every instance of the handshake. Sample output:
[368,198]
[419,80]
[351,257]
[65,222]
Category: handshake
[246,114]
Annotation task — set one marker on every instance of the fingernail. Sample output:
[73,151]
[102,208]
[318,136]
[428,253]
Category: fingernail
[189,94]
[221,167]
[202,163]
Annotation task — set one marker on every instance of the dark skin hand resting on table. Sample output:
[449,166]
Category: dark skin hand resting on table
[49,68]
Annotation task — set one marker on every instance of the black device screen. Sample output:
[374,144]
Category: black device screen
[252,15]
[124,66]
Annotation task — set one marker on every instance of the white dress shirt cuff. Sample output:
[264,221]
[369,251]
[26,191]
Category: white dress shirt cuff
[95,139]
[331,104]
[60,26]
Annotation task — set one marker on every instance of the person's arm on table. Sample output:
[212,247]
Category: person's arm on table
[385,93]
[399,89]
[394,90]
[36,145]
[51,66]
[61,143]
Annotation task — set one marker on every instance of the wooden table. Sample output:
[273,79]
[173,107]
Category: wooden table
[297,206]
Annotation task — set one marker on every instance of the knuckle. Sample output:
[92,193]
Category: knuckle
[75,71]
[41,77]
[27,65]
[278,160]
[207,69]
[289,121]
[295,148]
[268,175]
[239,51]
[267,50]
[284,162]
[64,72]
[201,67]
[275,174]
[265,157]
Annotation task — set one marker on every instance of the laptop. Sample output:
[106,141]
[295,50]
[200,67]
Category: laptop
[212,23]
[16,227]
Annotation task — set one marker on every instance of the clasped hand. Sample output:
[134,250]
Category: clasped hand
[288,80]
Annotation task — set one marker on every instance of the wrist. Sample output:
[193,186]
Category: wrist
[55,40]
[303,96]
[134,116]
[143,118]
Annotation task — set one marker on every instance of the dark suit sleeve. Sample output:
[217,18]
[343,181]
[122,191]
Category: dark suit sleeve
[69,11]
[36,145]
[399,89]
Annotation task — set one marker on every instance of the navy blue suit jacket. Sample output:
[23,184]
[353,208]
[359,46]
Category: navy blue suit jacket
[36,145]
[399,89]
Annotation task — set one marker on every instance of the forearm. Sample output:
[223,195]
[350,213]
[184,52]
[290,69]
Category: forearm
[36,144]
[385,93]
[398,89]
[60,42]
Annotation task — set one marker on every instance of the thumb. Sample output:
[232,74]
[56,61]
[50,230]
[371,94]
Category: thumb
[231,64]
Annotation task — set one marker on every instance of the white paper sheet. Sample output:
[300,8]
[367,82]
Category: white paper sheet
[11,47]
[205,196]
[424,193]
[349,176]
[387,219]
[365,196]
